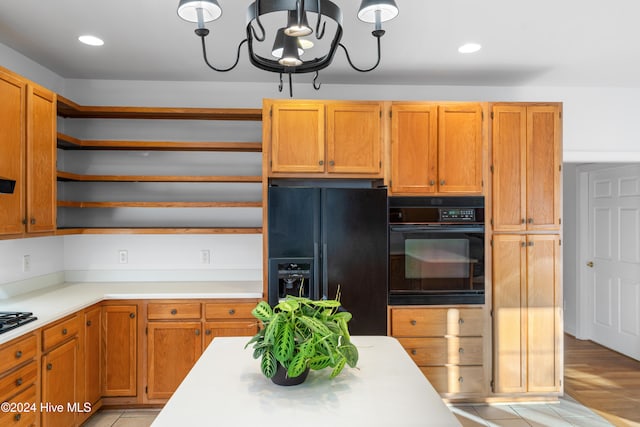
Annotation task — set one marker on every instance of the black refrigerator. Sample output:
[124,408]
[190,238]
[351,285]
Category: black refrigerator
[325,238]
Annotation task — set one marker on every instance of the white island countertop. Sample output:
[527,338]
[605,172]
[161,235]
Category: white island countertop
[226,388]
[55,302]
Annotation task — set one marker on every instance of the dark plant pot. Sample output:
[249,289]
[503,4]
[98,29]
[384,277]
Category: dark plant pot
[281,377]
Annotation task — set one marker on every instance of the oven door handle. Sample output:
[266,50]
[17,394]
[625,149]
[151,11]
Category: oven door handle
[437,228]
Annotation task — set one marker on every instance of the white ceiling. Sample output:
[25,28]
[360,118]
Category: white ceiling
[541,42]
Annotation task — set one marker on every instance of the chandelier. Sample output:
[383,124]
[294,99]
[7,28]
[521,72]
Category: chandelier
[280,37]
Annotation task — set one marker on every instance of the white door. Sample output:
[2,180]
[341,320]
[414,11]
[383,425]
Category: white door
[613,264]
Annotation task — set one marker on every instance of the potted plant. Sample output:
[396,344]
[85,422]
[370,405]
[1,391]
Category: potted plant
[300,334]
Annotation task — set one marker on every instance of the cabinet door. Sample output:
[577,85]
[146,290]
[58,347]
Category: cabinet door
[172,350]
[509,313]
[119,338]
[460,148]
[240,328]
[353,138]
[12,134]
[414,148]
[41,159]
[543,168]
[297,137]
[544,327]
[59,384]
[92,355]
[509,165]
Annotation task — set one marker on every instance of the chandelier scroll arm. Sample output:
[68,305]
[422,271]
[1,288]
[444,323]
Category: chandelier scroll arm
[316,83]
[257,19]
[206,60]
[362,70]
[320,33]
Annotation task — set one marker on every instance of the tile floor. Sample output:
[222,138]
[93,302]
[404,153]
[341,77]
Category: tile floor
[567,412]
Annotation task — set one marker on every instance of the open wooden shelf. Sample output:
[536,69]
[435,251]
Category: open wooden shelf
[157,230]
[67,142]
[69,109]
[69,176]
[72,204]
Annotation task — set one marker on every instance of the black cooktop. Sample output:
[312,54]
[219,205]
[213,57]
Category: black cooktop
[12,319]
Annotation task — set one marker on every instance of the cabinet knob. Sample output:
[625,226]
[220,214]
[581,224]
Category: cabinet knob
[530,220]
[432,182]
[19,382]
[24,221]
[33,221]
[461,321]
[17,417]
[461,350]
[529,243]
[413,351]
[590,264]
[207,332]
[49,366]
[523,220]
[174,311]
[132,315]
[64,331]
[197,332]
[442,182]
[232,311]
[413,322]
[18,354]
[321,162]
[460,380]
[88,322]
[332,163]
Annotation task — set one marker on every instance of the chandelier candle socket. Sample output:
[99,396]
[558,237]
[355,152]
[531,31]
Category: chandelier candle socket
[285,43]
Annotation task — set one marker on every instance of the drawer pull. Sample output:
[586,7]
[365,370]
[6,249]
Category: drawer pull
[18,354]
[461,321]
[64,331]
[460,379]
[232,311]
[49,366]
[88,322]
[132,315]
[174,311]
[19,382]
[413,351]
[461,350]
[17,417]
[413,322]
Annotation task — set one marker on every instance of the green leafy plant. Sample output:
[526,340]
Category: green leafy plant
[301,333]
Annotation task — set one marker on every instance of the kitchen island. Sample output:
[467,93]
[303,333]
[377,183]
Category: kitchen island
[226,387]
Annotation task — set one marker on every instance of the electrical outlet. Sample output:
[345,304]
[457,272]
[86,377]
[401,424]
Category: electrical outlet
[205,256]
[26,263]
[123,257]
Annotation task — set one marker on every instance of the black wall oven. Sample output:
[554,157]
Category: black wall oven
[436,250]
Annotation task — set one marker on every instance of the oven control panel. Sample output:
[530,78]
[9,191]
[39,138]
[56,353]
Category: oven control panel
[457,214]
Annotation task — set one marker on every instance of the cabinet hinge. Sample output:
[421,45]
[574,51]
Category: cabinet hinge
[271,111]
[482,183]
[390,183]
[270,163]
[380,113]
[146,390]
[559,220]
[482,115]
[380,163]
[491,242]
[491,168]
[146,331]
[560,242]
[560,114]
[560,168]
[491,221]
[491,383]
[390,113]
[492,115]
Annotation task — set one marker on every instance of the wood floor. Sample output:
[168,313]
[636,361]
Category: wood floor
[605,381]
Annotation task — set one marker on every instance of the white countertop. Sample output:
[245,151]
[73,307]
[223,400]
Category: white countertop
[55,302]
[226,387]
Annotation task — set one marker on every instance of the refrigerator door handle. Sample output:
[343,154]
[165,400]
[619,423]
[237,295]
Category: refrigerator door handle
[325,272]
[315,290]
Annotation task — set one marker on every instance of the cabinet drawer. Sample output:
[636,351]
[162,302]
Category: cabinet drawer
[172,311]
[444,351]
[238,310]
[436,322]
[17,352]
[455,379]
[16,381]
[60,332]
[26,403]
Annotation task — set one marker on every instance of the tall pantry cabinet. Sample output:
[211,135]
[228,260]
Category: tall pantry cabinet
[27,155]
[526,225]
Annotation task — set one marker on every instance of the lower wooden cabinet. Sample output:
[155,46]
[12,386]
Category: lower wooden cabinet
[59,384]
[447,344]
[29,409]
[120,350]
[92,360]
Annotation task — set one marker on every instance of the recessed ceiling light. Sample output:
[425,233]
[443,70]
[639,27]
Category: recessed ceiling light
[91,40]
[469,48]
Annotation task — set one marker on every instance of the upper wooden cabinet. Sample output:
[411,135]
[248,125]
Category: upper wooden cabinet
[526,165]
[27,150]
[436,148]
[324,138]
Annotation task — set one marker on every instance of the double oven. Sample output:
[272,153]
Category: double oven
[436,250]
